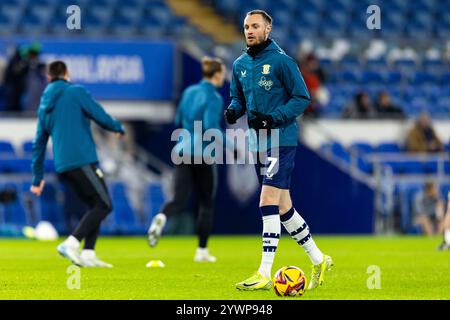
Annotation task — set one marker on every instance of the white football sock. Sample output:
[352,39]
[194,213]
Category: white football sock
[271,236]
[88,254]
[447,236]
[299,231]
[202,251]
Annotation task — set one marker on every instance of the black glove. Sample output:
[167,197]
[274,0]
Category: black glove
[231,116]
[261,121]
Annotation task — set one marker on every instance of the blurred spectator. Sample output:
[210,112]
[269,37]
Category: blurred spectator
[428,209]
[24,79]
[36,79]
[385,108]
[314,77]
[361,108]
[422,137]
[15,80]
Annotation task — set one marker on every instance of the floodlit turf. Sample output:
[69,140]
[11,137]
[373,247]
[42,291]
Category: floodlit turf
[411,268]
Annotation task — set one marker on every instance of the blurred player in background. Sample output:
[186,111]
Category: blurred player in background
[199,102]
[428,209]
[65,115]
[445,228]
[268,86]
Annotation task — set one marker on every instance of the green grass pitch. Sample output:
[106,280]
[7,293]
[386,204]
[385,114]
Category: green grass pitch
[411,268]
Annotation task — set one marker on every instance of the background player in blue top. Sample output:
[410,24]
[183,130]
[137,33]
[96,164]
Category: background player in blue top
[65,115]
[268,86]
[199,102]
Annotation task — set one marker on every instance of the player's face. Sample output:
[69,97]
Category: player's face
[256,29]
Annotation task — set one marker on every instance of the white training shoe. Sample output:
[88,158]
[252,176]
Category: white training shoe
[156,229]
[202,255]
[90,260]
[71,253]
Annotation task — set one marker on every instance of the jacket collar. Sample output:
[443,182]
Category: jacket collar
[269,45]
[207,83]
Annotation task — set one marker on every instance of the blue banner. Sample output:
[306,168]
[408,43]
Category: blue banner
[120,70]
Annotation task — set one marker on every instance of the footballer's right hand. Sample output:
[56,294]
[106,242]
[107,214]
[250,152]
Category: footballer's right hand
[231,116]
[37,190]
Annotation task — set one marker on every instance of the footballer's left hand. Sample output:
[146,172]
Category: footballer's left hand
[261,121]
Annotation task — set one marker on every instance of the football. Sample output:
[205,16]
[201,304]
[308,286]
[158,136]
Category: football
[289,281]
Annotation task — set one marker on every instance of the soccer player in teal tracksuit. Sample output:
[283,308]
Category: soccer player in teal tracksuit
[65,115]
[268,86]
[200,102]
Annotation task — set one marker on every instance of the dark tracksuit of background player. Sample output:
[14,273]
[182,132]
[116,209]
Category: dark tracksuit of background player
[199,102]
[65,114]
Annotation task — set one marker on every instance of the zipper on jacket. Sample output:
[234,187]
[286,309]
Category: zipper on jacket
[254,84]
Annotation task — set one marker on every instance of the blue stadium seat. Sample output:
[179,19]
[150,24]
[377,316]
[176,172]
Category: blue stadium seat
[6,149]
[350,76]
[19,165]
[362,147]
[131,9]
[340,152]
[304,32]
[152,28]
[376,64]
[388,147]
[442,29]
[327,63]
[420,6]
[310,18]
[229,6]
[6,25]
[43,11]
[27,148]
[93,25]
[418,30]
[392,77]
[364,165]
[406,64]
[433,65]
[444,103]
[161,14]
[422,77]
[123,26]
[371,77]
[280,17]
[335,106]
[406,167]
[31,24]
[349,62]
[445,78]
[332,29]
[288,5]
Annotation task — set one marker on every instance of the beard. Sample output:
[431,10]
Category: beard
[258,40]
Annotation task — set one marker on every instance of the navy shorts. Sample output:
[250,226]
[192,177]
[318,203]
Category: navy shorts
[274,168]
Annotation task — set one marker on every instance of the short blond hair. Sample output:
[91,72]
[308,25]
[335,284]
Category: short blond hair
[210,66]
